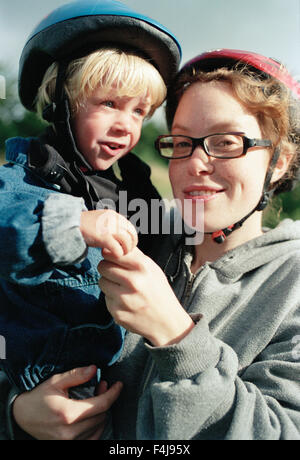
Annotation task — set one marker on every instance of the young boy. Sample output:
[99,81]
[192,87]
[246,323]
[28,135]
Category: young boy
[95,70]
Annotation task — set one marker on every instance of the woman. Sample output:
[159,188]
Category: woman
[215,356]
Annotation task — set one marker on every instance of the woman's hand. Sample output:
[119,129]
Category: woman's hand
[47,413]
[141,300]
[108,229]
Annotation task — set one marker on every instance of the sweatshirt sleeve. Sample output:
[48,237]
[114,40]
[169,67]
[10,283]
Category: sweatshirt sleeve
[198,392]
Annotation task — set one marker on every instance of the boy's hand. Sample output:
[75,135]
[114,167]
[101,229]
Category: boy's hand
[108,230]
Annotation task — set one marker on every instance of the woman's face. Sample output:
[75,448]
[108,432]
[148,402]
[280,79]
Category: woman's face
[228,188]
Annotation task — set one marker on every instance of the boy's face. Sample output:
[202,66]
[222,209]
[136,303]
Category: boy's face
[109,126]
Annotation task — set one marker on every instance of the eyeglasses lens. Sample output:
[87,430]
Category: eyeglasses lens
[217,145]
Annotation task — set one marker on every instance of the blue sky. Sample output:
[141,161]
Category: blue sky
[271,27]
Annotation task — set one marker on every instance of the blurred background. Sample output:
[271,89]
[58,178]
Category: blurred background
[269,27]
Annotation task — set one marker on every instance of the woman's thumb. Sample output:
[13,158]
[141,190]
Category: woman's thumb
[74,377]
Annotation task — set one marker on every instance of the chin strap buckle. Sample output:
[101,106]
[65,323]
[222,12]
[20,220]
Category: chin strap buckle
[221,235]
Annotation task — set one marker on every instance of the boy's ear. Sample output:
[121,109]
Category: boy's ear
[282,166]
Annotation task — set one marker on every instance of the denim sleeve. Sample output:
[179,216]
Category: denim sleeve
[60,229]
[4,397]
[9,430]
[38,233]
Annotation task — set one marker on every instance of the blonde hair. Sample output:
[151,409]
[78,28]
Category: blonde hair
[269,100]
[127,72]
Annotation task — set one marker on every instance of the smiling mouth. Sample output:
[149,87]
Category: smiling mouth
[204,194]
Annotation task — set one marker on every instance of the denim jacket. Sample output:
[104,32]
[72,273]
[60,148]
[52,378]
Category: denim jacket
[50,316]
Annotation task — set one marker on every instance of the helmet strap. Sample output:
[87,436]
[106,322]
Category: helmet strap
[220,235]
[53,112]
[58,113]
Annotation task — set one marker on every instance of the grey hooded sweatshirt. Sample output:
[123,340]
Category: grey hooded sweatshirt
[236,375]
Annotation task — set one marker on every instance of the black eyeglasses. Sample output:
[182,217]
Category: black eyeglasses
[221,145]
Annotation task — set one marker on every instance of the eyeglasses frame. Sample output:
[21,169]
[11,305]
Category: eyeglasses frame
[248,143]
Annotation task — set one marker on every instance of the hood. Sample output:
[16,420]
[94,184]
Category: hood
[280,242]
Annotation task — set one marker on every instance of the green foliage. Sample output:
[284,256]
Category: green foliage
[146,149]
[14,119]
[291,204]
[159,166]
[285,206]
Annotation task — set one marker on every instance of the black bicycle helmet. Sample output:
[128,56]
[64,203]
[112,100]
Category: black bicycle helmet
[81,27]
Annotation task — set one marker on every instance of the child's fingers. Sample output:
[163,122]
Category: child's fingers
[118,235]
[127,240]
[133,233]
[113,246]
[125,233]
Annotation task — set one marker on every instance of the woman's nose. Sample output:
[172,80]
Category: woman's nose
[200,162]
